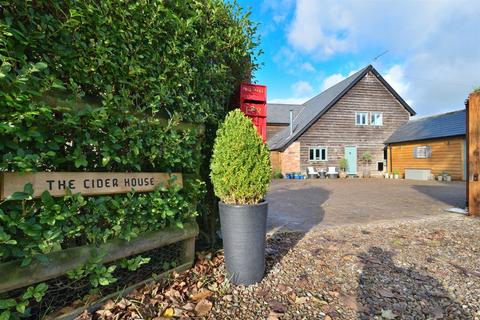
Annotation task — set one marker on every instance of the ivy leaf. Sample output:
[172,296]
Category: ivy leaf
[7,303]
[18,196]
[21,307]
[5,315]
[28,189]
[40,65]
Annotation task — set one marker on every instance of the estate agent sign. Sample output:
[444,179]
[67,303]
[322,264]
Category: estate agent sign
[86,183]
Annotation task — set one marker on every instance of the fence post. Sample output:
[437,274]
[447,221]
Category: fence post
[473,157]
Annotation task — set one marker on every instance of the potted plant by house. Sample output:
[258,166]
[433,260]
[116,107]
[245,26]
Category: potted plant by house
[343,168]
[240,174]
[446,176]
[396,175]
[366,159]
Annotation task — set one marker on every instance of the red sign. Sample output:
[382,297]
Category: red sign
[253,103]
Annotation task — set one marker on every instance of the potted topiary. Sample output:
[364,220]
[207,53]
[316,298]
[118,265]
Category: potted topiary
[240,174]
[343,168]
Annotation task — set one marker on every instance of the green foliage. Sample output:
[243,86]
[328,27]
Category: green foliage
[476,90]
[134,263]
[343,164]
[12,308]
[240,167]
[277,174]
[366,157]
[103,86]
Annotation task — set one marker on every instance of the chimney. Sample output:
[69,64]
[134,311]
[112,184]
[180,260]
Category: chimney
[291,122]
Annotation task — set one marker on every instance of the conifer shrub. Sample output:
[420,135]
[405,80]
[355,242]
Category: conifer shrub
[240,167]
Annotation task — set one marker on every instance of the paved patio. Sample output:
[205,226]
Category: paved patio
[300,205]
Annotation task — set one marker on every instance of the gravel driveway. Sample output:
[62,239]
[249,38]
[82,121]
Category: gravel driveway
[300,205]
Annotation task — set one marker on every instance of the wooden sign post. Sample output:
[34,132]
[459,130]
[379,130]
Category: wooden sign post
[86,183]
[473,147]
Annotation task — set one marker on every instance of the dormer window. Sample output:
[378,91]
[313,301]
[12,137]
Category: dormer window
[361,118]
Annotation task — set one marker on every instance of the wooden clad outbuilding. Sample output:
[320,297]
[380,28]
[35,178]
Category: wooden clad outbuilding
[435,143]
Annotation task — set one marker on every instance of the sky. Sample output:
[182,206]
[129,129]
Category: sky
[429,51]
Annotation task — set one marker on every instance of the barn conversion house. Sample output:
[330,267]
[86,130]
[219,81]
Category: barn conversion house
[433,144]
[355,116]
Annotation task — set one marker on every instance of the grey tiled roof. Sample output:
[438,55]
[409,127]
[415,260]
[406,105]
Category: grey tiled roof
[313,108]
[280,113]
[318,105]
[439,126]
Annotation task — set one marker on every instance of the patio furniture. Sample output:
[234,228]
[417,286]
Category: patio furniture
[322,174]
[332,173]
[312,173]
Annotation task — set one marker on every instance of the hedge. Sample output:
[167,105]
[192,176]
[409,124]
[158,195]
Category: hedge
[104,86]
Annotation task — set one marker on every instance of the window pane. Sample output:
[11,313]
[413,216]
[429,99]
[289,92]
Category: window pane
[317,154]
[376,119]
[311,154]
[324,154]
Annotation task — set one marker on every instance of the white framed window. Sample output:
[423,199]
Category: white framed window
[376,119]
[361,118]
[422,152]
[317,154]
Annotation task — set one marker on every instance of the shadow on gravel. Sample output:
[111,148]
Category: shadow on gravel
[397,293]
[452,194]
[293,211]
[296,207]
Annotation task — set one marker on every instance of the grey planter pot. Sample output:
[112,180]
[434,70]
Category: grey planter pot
[244,229]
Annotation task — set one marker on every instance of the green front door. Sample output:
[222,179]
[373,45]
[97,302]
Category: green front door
[351,156]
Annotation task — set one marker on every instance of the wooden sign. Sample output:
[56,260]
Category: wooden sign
[86,183]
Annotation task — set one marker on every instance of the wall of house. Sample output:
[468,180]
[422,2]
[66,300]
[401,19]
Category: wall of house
[337,129]
[276,160]
[447,155]
[272,129]
[289,159]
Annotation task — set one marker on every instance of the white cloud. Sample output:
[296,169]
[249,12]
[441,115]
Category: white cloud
[331,80]
[334,79]
[302,88]
[433,45]
[310,28]
[307,66]
[395,78]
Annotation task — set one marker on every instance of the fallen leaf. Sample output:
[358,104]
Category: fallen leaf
[301,300]
[203,307]
[189,307]
[168,313]
[205,293]
[104,313]
[109,305]
[327,317]
[277,306]
[292,296]
[388,314]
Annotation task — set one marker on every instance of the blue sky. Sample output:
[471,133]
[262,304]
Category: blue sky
[432,47]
